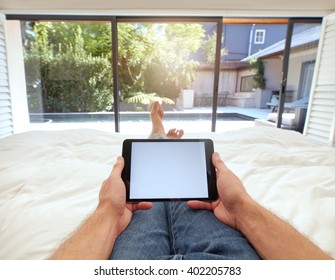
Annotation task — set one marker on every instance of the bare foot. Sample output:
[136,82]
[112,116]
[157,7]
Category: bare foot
[157,111]
[156,115]
[175,133]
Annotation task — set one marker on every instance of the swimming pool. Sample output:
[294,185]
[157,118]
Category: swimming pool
[132,116]
[139,123]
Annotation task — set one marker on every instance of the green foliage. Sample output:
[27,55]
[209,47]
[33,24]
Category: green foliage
[173,68]
[68,64]
[210,48]
[259,76]
[148,98]
[180,42]
[137,48]
[68,78]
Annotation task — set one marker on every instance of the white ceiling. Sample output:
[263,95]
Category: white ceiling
[172,7]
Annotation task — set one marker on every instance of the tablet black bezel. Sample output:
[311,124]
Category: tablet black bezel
[210,169]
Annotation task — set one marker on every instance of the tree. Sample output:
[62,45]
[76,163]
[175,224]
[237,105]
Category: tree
[174,68]
[209,48]
[137,49]
[156,58]
[84,82]
[37,61]
[69,78]
[69,64]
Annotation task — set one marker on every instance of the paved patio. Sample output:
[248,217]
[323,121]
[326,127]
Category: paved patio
[251,112]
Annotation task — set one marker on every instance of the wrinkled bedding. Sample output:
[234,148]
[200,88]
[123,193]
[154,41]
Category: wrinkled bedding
[49,182]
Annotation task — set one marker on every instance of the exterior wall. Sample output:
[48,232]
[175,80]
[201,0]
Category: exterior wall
[230,83]
[203,83]
[272,73]
[237,38]
[203,86]
[273,34]
[296,60]
[227,82]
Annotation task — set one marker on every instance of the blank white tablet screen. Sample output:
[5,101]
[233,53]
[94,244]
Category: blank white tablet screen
[168,170]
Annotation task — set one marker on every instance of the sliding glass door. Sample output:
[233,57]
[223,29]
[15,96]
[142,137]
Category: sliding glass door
[298,71]
[170,61]
[68,70]
[209,74]
[83,72]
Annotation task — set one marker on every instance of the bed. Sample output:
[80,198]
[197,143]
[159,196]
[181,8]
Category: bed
[49,182]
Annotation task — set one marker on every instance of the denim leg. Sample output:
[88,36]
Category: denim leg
[146,237]
[198,234]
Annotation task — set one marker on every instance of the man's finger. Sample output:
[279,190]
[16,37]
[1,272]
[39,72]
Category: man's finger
[217,161]
[196,204]
[118,167]
[141,206]
[220,166]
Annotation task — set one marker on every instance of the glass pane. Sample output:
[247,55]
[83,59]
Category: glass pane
[247,83]
[172,63]
[302,58]
[250,71]
[68,74]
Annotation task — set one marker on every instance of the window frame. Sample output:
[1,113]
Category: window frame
[245,78]
[257,37]
[114,20]
[219,19]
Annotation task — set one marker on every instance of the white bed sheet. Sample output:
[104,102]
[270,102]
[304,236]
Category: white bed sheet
[49,182]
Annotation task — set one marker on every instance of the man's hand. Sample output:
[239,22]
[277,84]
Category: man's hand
[232,195]
[95,238]
[112,197]
[272,237]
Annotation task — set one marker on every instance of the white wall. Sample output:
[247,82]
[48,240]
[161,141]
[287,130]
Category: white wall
[320,122]
[17,77]
[6,123]
[227,8]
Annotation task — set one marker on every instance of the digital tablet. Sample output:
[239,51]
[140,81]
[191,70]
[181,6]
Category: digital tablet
[164,169]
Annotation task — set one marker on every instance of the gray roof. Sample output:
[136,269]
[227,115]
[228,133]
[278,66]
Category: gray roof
[302,38]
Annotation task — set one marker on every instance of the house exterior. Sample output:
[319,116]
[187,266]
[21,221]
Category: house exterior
[301,64]
[236,76]
[242,40]
[236,87]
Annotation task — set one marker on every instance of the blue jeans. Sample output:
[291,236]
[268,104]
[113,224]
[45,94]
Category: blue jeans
[171,230]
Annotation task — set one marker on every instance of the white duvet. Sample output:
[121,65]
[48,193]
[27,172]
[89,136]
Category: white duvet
[49,182]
